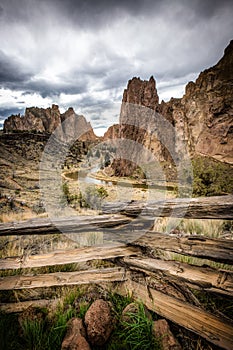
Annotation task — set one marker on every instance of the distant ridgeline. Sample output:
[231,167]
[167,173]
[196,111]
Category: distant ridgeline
[203,117]
[45,121]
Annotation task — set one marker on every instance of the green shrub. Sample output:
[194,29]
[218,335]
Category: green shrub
[93,197]
[211,177]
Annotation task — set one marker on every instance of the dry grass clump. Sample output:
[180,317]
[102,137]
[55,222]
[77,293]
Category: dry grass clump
[208,227]
[12,216]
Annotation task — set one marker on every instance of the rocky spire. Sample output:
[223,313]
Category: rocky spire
[142,92]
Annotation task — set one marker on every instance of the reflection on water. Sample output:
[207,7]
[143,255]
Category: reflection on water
[83,176]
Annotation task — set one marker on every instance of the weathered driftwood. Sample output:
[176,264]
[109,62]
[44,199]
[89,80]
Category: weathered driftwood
[74,224]
[62,257]
[203,278]
[219,207]
[210,327]
[115,274]
[220,250]
[24,305]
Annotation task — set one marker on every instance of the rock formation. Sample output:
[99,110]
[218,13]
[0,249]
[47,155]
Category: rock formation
[112,132]
[141,123]
[45,121]
[199,123]
[142,93]
[204,115]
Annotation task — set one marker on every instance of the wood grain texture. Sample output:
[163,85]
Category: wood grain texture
[190,317]
[204,278]
[219,207]
[73,224]
[68,256]
[24,305]
[220,250]
[114,274]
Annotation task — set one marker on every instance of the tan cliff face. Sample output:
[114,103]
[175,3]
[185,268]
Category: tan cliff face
[47,120]
[141,92]
[204,116]
[141,123]
[202,120]
[35,119]
[112,132]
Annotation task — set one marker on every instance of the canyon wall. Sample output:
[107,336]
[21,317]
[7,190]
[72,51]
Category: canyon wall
[199,123]
[204,115]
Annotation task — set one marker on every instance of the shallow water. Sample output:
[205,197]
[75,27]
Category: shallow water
[84,176]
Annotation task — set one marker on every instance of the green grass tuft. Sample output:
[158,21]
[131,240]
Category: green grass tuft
[135,334]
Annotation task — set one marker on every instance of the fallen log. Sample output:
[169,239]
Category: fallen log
[68,256]
[219,207]
[74,224]
[24,305]
[220,250]
[114,274]
[208,326]
[203,278]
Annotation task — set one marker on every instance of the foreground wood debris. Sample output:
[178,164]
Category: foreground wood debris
[165,286]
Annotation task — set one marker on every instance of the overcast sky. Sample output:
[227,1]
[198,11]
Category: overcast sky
[82,53]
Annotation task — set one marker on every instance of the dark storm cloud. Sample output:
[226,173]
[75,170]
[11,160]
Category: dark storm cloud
[49,88]
[83,52]
[94,13]
[9,111]
[82,12]
[208,8]
[11,73]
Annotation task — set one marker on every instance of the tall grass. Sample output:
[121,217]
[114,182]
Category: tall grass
[135,333]
[12,216]
[208,227]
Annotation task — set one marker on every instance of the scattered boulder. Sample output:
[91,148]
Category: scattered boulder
[75,336]
[161,330]
[99,322]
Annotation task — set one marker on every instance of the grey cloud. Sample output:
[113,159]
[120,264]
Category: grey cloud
[11,73]
[5,112]
[209,8]
[46,88]
[89,13]
[192,37]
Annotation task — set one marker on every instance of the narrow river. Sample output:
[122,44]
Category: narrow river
[87,177]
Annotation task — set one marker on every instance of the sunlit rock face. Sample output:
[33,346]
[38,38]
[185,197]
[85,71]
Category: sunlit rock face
[204,116]
[201,122]
[141,122]
[68,125]
[35,119]
[112,132]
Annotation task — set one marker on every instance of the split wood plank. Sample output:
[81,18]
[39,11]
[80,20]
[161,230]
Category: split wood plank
[74,224]
[220,250]
[24,305]
[204,278]
[62,257]
[208,326]
[217,207]
[115,274]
